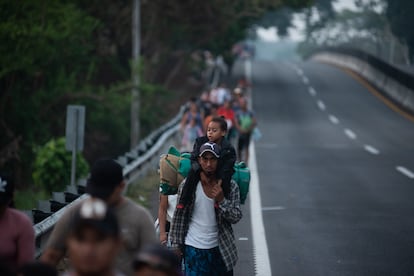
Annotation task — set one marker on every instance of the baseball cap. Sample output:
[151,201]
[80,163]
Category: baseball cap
[6,188]
[96,214]
[158,257]
[210,147]
[105,175]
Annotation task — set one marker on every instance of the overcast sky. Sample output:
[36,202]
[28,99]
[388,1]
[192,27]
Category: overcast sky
[296,33]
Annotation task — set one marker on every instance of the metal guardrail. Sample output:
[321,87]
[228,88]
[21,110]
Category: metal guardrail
[135,164]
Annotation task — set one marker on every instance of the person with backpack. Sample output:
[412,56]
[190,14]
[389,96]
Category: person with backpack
[201,229]
[216,132]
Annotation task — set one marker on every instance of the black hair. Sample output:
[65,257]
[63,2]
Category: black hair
[215,105]
[158,257]
[221,121]
[6,196]
[193,177]
[37,268]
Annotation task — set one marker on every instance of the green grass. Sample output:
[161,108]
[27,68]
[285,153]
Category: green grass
[27,199]
[142,190]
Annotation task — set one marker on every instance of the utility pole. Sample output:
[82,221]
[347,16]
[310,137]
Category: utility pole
[135,95]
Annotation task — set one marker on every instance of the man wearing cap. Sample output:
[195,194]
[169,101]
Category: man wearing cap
[201,229]
[94,240]
[137,228]
[17,238]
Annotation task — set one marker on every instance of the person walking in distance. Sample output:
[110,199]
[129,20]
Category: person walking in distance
[201,229]
[191,126]
[245,124]
[106,182]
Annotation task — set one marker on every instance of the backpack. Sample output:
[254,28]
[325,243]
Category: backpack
[242,177]
[174,167]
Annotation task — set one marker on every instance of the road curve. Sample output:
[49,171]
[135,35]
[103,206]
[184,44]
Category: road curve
[336,173]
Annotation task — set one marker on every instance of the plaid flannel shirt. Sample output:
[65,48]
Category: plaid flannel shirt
[228,212]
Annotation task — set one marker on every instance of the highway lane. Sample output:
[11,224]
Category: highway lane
[334,168]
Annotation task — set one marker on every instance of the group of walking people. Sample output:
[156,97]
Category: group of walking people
[233,106]
[197,222]
[105,234]
[109,234]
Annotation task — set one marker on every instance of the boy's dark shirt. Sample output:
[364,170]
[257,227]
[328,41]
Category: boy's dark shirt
[225,168]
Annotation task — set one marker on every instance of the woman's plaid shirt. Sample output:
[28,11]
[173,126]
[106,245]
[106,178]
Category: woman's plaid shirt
[228,212]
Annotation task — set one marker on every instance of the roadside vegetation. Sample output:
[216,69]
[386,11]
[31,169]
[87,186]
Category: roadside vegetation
[56,53]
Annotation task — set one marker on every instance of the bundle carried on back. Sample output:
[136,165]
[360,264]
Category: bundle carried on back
[174,167]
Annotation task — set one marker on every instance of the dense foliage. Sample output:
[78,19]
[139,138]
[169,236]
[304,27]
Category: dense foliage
[379,27]
[55,53]
[399,14]
[52,166]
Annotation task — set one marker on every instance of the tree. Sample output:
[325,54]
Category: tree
[55,53]
[366,28]
[44,52]
[51,166]
[399,14]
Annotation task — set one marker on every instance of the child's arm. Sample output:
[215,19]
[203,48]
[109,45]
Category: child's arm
[162,218]
[226,167]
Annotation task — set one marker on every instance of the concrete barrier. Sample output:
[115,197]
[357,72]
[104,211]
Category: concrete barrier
[398,92]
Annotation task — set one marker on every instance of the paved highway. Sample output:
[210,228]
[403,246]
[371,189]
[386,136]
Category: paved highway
[335,171]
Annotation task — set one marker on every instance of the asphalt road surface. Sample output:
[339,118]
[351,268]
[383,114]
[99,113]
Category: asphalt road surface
[336,174]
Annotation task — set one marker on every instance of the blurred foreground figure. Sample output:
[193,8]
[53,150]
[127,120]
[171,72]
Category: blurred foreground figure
[94,240]
[107,183]
[37,269]
[157,260]
[17,238]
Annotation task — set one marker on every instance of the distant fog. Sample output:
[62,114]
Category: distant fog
[276,50]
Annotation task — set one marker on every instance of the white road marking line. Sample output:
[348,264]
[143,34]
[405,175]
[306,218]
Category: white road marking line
[299,72]
[333,119]
[273,208]
[305,80]
[312,91]
[321,105]
[350,134]
[371,149]
[243,239]
[260,251]
[405,171]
